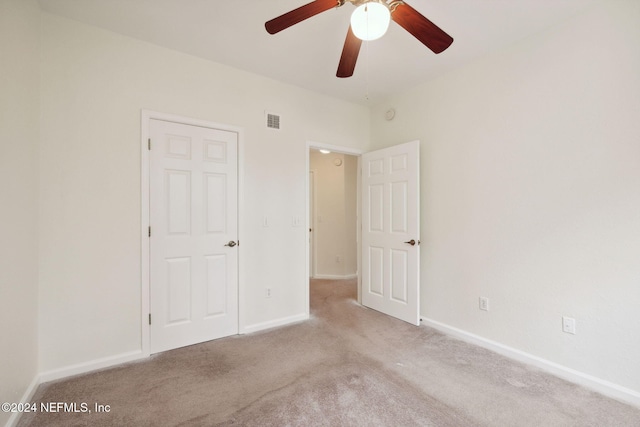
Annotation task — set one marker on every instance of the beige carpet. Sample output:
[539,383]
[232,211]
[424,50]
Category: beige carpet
[347,366]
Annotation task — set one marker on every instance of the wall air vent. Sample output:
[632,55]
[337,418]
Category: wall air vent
[273,121]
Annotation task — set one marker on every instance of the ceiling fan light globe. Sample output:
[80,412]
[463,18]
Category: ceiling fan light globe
[370,21]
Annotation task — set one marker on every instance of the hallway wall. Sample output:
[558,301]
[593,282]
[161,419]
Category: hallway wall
[335,204]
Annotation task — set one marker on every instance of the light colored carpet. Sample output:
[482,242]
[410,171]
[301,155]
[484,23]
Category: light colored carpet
[347,366]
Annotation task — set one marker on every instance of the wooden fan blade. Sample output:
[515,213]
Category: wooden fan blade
[300,14]
[421,28]
[349,55]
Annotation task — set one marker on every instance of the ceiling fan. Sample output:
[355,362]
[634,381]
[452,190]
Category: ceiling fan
[399,11]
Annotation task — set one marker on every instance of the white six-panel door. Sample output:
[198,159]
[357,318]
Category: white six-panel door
[193,217]
[390,224]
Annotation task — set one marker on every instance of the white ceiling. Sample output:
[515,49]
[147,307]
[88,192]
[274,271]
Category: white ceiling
[307,54]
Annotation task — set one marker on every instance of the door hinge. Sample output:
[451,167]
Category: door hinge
[149,231]
[149,144]
[149,318]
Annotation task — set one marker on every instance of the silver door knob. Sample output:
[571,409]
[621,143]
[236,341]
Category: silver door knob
[231,243]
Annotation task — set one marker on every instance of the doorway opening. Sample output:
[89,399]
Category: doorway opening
[387,227]
[333,217]
[333,206]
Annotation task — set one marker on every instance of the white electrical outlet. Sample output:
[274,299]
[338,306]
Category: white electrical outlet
[484,303]
[267,293]
[569,325]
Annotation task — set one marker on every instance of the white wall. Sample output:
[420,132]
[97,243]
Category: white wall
[531,193]
[94,84]
[19,116]
[335,216]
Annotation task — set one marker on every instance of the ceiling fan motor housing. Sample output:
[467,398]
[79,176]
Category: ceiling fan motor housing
[391,5]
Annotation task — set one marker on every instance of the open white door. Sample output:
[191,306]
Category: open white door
[194,228]
[391,231]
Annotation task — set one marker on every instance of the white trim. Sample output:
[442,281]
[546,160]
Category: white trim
[275,323]
[145,117]
[335,277]
[604,387]
[241,251]
[93,365]
[312,260]
[359,230]
[26,398]
[334,148]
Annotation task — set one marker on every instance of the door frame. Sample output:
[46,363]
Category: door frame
[145,181]
[311,211]
[356,152]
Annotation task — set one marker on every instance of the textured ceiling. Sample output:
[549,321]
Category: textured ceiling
[307,54]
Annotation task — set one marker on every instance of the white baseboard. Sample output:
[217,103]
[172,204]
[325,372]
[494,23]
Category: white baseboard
[275,323]
[26,397]
[93,365]
[335,277]
[606,388]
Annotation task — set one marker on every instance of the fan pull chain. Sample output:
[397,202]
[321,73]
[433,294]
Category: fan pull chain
[366,74]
